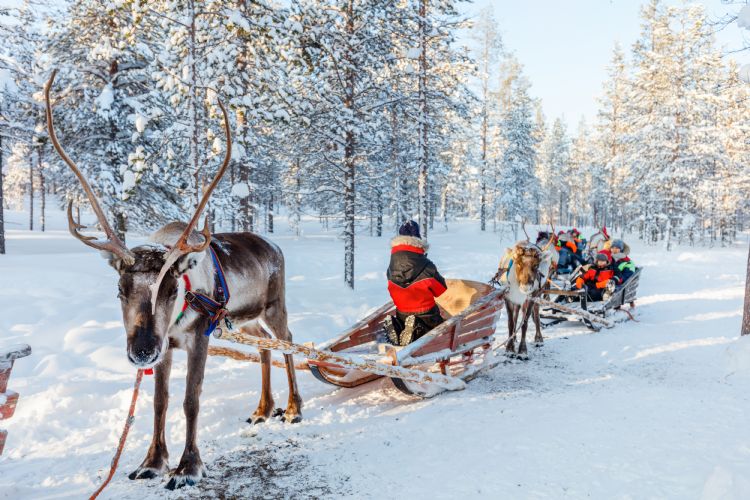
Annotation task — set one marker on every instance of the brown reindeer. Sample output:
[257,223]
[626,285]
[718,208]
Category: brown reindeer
[152,291]
[526,277]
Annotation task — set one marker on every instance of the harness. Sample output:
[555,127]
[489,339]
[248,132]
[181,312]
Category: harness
[215,308]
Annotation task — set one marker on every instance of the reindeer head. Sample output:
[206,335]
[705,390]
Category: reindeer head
[149,275]
[526,260]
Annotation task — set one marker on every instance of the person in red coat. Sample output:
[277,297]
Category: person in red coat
[599,279]
[413,283]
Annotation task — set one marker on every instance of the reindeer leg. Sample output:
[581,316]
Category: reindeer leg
[538,338]
[276,318]
[522,352]
[156,461]
[510,347]
[265,405]
[293,413]
[191,469]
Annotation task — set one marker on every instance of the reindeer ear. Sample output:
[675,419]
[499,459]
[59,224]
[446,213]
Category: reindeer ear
[186,263]
[115,261]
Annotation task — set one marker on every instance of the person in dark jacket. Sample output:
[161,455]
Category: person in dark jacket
[624,267]
[413,283]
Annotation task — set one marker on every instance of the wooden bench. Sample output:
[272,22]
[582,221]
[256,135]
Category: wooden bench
[9,399]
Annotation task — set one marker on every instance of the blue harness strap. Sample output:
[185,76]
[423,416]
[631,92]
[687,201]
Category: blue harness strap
[213,307]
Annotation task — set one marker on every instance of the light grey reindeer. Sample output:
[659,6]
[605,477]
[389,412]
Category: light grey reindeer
[152,291]
[527,278]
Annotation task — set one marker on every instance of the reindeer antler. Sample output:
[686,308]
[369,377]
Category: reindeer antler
[181,247]
[552,237]
[113,243]
[523,226]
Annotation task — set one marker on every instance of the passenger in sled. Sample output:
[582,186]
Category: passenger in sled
[580,242]
[413,283]
[599,280]
[570,258]
[623,266]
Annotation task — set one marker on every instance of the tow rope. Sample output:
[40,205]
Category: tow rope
[128,422]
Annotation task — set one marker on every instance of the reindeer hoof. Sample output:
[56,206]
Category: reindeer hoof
[146,473]
[259,416]
[292,418]
[181,480]
[539,343]
[278,413]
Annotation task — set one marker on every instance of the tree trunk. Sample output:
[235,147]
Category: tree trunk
[349,166]
[31,194]
[423,184]
[42,194]
[746,315]
[2,202]
[270,214]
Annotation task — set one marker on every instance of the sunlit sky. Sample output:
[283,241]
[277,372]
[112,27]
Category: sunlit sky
[566,45]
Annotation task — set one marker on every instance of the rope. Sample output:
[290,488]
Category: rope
[123,436]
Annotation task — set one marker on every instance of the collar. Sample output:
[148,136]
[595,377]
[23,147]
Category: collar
[407,248]
[410,241]
[213,307]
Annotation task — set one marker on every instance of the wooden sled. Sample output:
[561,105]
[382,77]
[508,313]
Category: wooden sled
[443,359]
[453,349]
[573,305]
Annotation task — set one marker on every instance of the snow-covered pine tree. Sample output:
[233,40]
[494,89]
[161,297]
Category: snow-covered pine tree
[553,174]
[517,183]
[611,132]
[346,44]
[487,37]
[104,113]
[23,38]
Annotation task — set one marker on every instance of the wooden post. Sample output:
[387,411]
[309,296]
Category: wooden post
[8,399]
[746,315]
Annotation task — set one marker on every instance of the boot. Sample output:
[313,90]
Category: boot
[408,331]
[390,330]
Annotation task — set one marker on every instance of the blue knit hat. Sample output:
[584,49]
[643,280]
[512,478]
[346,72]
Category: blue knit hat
[409,228]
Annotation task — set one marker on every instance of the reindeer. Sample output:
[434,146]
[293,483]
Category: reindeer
[157,279]
[527,268]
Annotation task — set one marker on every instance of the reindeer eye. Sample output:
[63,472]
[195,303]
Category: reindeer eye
[120,293]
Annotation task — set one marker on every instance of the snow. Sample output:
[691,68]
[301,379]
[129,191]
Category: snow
[105,99]
[128,180]
[140,123]
[743,18]
[649,409]
[745,73]
[414,53]
[6,80]
[241,190]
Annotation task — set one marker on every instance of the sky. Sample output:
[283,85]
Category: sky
[566,45]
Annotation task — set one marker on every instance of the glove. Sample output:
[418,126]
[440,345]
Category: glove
[602,284]
[579,283]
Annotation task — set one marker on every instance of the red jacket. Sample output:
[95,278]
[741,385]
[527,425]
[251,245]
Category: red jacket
[596,276]
[413,280]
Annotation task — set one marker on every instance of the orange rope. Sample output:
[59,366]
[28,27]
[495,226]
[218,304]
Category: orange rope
[123,436]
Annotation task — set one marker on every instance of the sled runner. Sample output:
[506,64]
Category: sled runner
[445,358]
[566,304]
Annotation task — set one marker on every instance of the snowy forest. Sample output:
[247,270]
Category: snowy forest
[363,114]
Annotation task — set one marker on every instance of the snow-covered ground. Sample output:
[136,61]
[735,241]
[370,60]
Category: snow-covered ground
[653,409]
